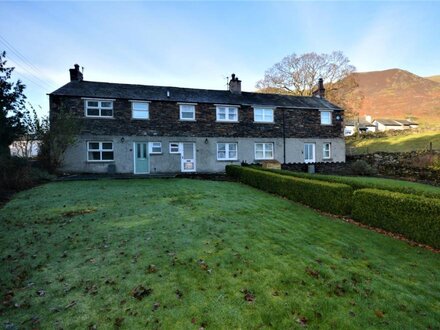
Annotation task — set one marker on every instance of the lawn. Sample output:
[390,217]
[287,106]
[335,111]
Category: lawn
[186,254]
[402,143]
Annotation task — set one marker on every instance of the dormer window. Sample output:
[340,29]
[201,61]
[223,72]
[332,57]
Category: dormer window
[227,113]
[99,108]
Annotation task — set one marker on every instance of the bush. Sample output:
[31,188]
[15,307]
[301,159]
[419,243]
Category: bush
[18,174]
[415,217]
[329,197]
[361,183]
[361,167]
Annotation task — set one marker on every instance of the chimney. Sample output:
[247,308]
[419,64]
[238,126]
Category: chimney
[235,85]
[75,74]
[320,92]
[368,118]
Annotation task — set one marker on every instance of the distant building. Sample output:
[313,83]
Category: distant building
[394,124]
[362,125]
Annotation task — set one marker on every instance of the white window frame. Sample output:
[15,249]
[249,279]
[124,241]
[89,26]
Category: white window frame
[171,148]
[99,107]
[152,145]
[330,117]
[228,110]
[324,150]
[100,150]
[227,149]
[181,110]
[264,149]
[313,159]
[264,111]
[147,103]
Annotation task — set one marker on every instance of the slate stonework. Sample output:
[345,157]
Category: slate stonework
[164,121]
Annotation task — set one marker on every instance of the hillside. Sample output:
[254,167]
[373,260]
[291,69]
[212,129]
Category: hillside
[434,78]
[397,93]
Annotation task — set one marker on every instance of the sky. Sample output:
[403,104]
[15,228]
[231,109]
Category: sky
[199,44]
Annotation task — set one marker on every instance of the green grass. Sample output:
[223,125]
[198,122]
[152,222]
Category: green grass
[360,182]
[88,244]
[402,143]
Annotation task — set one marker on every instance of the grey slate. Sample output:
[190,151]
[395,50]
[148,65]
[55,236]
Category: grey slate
[177,94]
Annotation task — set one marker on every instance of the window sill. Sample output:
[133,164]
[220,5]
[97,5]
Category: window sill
[99,117]
[326,124]
[227,121]
[264,122]
[100,161]
[186,120]
[143,119]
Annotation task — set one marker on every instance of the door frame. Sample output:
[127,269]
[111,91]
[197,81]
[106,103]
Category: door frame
[314,152]
[134,157]
[182,167]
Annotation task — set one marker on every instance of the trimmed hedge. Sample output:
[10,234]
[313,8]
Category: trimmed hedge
[329,197]
[357,184]
[415,217]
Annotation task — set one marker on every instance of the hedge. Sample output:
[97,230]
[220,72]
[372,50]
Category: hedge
[329,197]
[356,183]
[415,217]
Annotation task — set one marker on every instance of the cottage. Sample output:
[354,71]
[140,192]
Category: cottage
[157,129]
[359,125]
[394,124]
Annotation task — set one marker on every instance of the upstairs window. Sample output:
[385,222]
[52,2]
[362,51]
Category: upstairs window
[326,117]
[263,115]
[155,147]
[227,113]
[99,108]
[140,110]
[263,151]
[100,151]
[226,151]
[174,148]
[187,112]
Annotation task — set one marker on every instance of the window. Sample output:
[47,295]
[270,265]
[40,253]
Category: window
[140,110]
[174,148]
[225,113]
[155,147]
[326,117]
[263,150]
[326,150]
[100,151]
[97,108]
[187,112]
[226,151]
[263,115]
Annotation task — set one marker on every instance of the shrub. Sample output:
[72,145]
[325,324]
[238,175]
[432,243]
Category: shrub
[415,217]
[361,183]
[361,167]
[330,197]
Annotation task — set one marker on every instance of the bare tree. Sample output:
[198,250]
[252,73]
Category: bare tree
[298,74]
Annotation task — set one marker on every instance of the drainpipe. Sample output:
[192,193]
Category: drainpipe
[284,136]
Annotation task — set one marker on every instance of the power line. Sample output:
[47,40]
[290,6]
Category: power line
[27,66]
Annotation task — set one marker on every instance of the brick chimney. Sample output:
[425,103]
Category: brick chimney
[320,91]
[75,74]
[235,85]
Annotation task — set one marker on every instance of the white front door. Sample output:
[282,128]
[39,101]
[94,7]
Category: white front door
[309,152]
[188,157]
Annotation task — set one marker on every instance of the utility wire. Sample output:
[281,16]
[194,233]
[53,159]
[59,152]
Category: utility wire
[27,66]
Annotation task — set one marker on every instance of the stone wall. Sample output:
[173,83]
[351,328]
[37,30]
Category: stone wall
[164,121]
[410,165]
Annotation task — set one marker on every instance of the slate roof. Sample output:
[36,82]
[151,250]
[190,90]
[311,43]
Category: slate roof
[178,94]
[406,122]
[395,122]
[362,123]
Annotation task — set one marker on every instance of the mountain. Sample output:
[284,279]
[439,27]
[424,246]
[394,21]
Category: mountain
[396,93]
[434,78]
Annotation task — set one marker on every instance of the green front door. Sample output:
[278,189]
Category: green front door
[141,160]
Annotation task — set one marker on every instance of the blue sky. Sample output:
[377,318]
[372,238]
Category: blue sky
[199,44]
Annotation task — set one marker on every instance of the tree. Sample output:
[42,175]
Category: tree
[12,106]
[56,135]
[299,74]
[28,142]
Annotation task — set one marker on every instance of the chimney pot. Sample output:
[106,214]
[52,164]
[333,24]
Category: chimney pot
[320,91]
[235,85]
[75,74]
